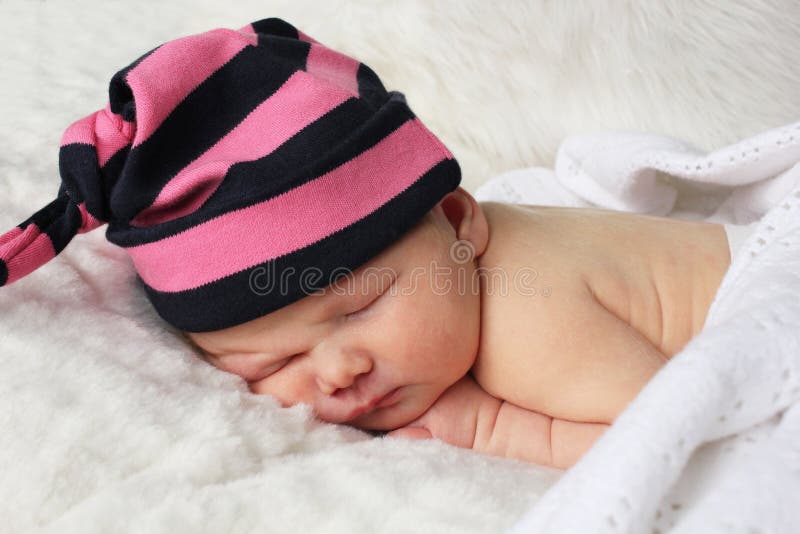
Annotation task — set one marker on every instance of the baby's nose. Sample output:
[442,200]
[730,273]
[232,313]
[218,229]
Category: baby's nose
[340,371]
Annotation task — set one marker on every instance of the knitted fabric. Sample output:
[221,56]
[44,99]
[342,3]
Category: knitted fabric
[241,170]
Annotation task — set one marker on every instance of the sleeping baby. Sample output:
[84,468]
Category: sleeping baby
[304,230]
[567,314]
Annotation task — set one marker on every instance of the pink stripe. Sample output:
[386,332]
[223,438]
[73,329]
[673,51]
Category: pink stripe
[88,221]
[297,103]
[191,59]
[247,29]
[293,220]
[334,67]
[30,251]
[103,129]
[300,35]
[303,37]
[20,240]
[9,236]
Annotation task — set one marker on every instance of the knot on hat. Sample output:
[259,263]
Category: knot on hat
[91,159]
[42,236]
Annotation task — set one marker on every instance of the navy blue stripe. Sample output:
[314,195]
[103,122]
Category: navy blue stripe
[60,220]
[3,273]
[370,87]
[86,181]
[275,26]
[120,96]
[265,185]
[111,173]
[65,228]
[208,113]
[230,301]
[46,215]
[277,172]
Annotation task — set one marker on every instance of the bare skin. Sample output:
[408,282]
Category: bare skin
[619,294]
[615,296]
[626,292]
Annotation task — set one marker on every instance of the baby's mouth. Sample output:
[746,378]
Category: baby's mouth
[374,403]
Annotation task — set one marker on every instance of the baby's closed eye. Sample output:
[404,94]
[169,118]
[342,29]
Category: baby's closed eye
[273,367]
[251,367]
[367,303]
[363,310]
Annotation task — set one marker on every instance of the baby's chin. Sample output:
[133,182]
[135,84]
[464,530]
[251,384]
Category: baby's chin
[392,417]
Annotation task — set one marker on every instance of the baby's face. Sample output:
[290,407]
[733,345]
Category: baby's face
[389,328]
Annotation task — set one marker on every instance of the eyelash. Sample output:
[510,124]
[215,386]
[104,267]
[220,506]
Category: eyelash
[361,311]
[272,369]
[358,313]
[277,366]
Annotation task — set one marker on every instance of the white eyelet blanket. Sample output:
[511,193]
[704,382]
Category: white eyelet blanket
[712,443]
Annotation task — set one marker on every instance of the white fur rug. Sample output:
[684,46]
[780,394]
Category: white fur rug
[108,422]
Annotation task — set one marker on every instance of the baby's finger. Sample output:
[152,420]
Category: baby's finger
[412,432]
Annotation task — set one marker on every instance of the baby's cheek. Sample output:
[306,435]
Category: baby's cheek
[286,385]
[459,331]
[435,341]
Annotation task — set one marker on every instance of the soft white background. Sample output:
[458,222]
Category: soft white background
[108,422]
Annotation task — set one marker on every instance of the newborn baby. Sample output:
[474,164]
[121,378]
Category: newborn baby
[520,331]
[529,349]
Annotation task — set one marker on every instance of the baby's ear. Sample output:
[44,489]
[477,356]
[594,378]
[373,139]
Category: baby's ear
[467,218]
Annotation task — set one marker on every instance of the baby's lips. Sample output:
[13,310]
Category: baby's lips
[411,432]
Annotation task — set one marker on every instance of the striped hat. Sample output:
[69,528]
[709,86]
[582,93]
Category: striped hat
[241,170]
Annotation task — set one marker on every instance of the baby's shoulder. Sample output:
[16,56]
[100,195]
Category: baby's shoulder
[551,247]
[657,274]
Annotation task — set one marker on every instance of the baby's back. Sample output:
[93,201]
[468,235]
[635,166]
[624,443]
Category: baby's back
[659,275]
[608,271]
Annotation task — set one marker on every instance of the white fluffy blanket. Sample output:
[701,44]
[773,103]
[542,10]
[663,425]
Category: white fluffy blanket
[109,423]
[712,443]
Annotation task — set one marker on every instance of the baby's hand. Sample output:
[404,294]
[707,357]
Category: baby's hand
[458,416]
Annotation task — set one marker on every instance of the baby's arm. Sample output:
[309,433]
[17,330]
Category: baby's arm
[587,364]
[467,416]
[538,438]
